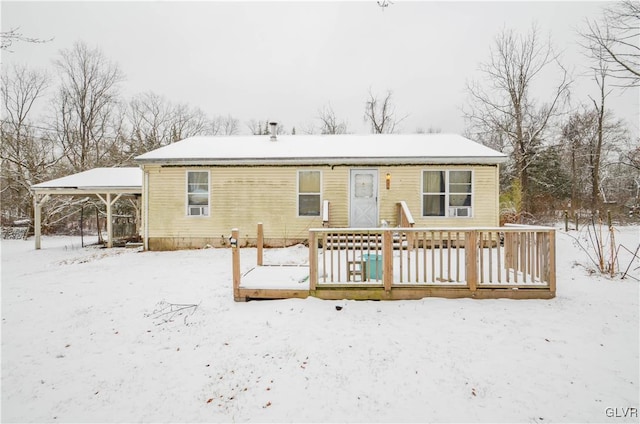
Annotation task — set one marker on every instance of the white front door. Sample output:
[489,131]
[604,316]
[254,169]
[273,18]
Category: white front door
[364,198]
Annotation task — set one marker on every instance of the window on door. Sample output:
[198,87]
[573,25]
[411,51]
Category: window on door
[309,193]
[363,186]
[447,193]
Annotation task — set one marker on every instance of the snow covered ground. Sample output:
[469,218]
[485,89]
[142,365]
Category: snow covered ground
[81,343]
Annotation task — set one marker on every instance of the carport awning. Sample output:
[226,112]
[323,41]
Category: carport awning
[101,182]
[95,181]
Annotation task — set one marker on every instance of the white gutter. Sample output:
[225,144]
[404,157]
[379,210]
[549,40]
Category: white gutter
[145,206]
[482,160]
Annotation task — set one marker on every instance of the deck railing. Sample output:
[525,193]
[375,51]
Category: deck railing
[405,219]
[513,257]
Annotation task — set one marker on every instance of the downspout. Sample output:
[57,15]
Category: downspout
[145,206]
[497,195]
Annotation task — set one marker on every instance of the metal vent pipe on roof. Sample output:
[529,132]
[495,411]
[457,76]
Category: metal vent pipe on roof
[274,126]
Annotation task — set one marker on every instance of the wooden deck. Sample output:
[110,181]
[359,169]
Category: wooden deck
[275,282]
[515,262]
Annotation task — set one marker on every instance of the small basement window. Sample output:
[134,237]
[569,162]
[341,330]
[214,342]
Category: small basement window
[198,193]
[309,193]
[446,193]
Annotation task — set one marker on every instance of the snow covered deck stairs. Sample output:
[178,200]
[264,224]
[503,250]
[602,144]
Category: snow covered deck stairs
[341,241]
[516,262]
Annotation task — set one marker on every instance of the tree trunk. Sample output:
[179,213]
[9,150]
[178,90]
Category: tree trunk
[98,225]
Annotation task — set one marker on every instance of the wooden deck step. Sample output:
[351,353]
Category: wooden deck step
[366,242]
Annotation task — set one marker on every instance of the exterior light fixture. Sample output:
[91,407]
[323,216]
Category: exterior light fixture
[388,181]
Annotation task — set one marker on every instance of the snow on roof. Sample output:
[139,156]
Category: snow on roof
[98,179]
[325,149]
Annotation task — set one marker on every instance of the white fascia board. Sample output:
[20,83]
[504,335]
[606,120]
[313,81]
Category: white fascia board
[483,160]
[87,190]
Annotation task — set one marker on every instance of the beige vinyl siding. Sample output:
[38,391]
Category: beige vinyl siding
[167,202]
[239,197]
[406,185]
[243,196]
[336,191]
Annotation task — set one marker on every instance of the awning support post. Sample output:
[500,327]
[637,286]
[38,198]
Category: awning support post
[109,203]
[37,225]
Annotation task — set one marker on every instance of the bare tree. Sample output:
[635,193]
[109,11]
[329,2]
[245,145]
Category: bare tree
[329,123]
[256,127]
[26,153]
[230,125]
[20,90]
[381,114]
[187,121]
[225,125]
[307,128]
[599,43]
[149,115]
[262,127]
[592,142]
[7,38]
[632,158]
[118,153]
[577,133]
[504,108]
[430,130]
[616,40]
[86,98]
[155,122]
[595,153]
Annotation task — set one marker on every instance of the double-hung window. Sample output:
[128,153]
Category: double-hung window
[198,193]
[446,193]
[309,193]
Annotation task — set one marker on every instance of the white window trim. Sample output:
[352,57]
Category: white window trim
[298,194]
[186,195]
[446,195]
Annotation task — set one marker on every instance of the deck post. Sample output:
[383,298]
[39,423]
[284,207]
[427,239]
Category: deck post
[235,259]
[508,250]
[260,243]
[313,261]
[387,259]
[471,258]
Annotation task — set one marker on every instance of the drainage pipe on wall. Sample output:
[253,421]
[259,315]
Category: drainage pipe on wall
[146,210]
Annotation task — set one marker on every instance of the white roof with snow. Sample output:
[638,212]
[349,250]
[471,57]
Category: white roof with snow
[101,180]
[348,149]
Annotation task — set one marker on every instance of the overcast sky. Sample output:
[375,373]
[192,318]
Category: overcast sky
[284,60]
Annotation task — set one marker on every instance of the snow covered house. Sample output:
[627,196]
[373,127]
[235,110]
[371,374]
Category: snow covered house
[385,216]
[195,190]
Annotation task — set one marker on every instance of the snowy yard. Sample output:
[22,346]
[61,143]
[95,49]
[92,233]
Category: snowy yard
[81,343]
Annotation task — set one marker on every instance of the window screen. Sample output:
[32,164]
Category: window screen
[309,202]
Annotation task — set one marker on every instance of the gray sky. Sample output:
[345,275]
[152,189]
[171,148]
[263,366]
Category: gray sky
[284,60]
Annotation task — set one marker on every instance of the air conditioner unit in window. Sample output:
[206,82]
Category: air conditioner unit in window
[460,211]
[198,210]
